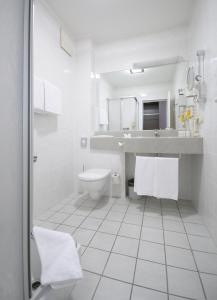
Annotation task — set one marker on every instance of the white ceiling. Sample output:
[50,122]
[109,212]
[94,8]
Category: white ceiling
[111,20]
[122,79]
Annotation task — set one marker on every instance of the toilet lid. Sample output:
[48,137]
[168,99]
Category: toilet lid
[94,174]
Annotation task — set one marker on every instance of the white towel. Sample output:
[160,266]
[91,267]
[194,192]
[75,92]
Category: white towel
[59,257]
[166,178]
[53,98]
[144,175]
[103,116]
[38,94]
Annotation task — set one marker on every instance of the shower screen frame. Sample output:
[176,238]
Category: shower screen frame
[121,114]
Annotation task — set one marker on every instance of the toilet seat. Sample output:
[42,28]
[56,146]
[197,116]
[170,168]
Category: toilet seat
[94,174]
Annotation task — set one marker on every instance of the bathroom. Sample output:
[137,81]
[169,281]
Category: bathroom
[112,152]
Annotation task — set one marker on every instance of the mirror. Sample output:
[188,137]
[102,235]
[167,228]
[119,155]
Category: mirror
[139,99]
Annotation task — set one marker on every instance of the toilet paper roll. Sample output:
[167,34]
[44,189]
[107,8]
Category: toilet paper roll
[116,178]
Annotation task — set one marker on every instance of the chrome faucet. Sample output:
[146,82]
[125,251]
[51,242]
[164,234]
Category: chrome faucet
[156,133]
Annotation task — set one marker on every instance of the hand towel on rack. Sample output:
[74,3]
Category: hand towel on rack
[166,178]
[144,175]
[59,257]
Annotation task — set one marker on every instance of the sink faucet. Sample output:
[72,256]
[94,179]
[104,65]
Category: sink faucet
[156,133]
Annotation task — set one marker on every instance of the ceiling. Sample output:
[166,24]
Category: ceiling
[107,21]
[123,79]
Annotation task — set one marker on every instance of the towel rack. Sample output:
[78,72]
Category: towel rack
[158,155]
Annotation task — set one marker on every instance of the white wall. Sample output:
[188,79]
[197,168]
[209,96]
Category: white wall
[87,101]
[11,160]
[203,36]
[53,135]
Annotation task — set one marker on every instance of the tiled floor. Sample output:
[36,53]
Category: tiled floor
[144,249]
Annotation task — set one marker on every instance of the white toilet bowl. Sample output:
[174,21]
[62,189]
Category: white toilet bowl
[94,182]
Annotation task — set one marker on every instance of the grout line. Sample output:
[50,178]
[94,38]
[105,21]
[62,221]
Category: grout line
[109,253]
[117,235]
[134,274]
[137,285]
[165,257]
[195,263]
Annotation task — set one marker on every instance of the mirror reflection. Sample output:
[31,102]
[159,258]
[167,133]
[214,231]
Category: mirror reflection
[140,98]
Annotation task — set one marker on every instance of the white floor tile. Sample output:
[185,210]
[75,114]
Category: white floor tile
[196,229]
[109,227]
[171,297]
[120,267]
[202,244]
[151,251]
[103,241]
[152,212]
[83,211]
[206,262]
[58,218]
[94,260]
[98,213]
[152,235]
[119,208]
[210,286]
[115,216]
[152,222]
[140,293]
[49,225]
[130,230]
[170,214]
[57,207]
[66,228]
[133,219]
[44,216]
[169,203]
[127,246]
[176,239]
[91,223]
[85,288]
[172,225]
[151,275]
[136,209]
[191,218]
[184,283]
[181,258]
[68,209]
[112,289]
[74,220]
[83,236]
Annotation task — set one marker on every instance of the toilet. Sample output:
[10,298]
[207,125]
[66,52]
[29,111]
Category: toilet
[95,181]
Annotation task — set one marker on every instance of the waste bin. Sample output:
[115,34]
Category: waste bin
[132,195]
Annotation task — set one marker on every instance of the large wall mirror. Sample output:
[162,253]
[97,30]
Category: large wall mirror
[141,98]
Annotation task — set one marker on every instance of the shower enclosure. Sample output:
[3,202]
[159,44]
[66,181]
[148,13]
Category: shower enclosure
[123,113]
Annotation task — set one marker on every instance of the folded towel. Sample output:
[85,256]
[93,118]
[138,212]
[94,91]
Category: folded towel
[144,175]
[53,98]
[59,257]
[166,183]
[38,95]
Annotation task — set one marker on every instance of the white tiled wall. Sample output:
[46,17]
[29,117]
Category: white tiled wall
[53,135]
[203,36]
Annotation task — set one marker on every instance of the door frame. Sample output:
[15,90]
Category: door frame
[27,146]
